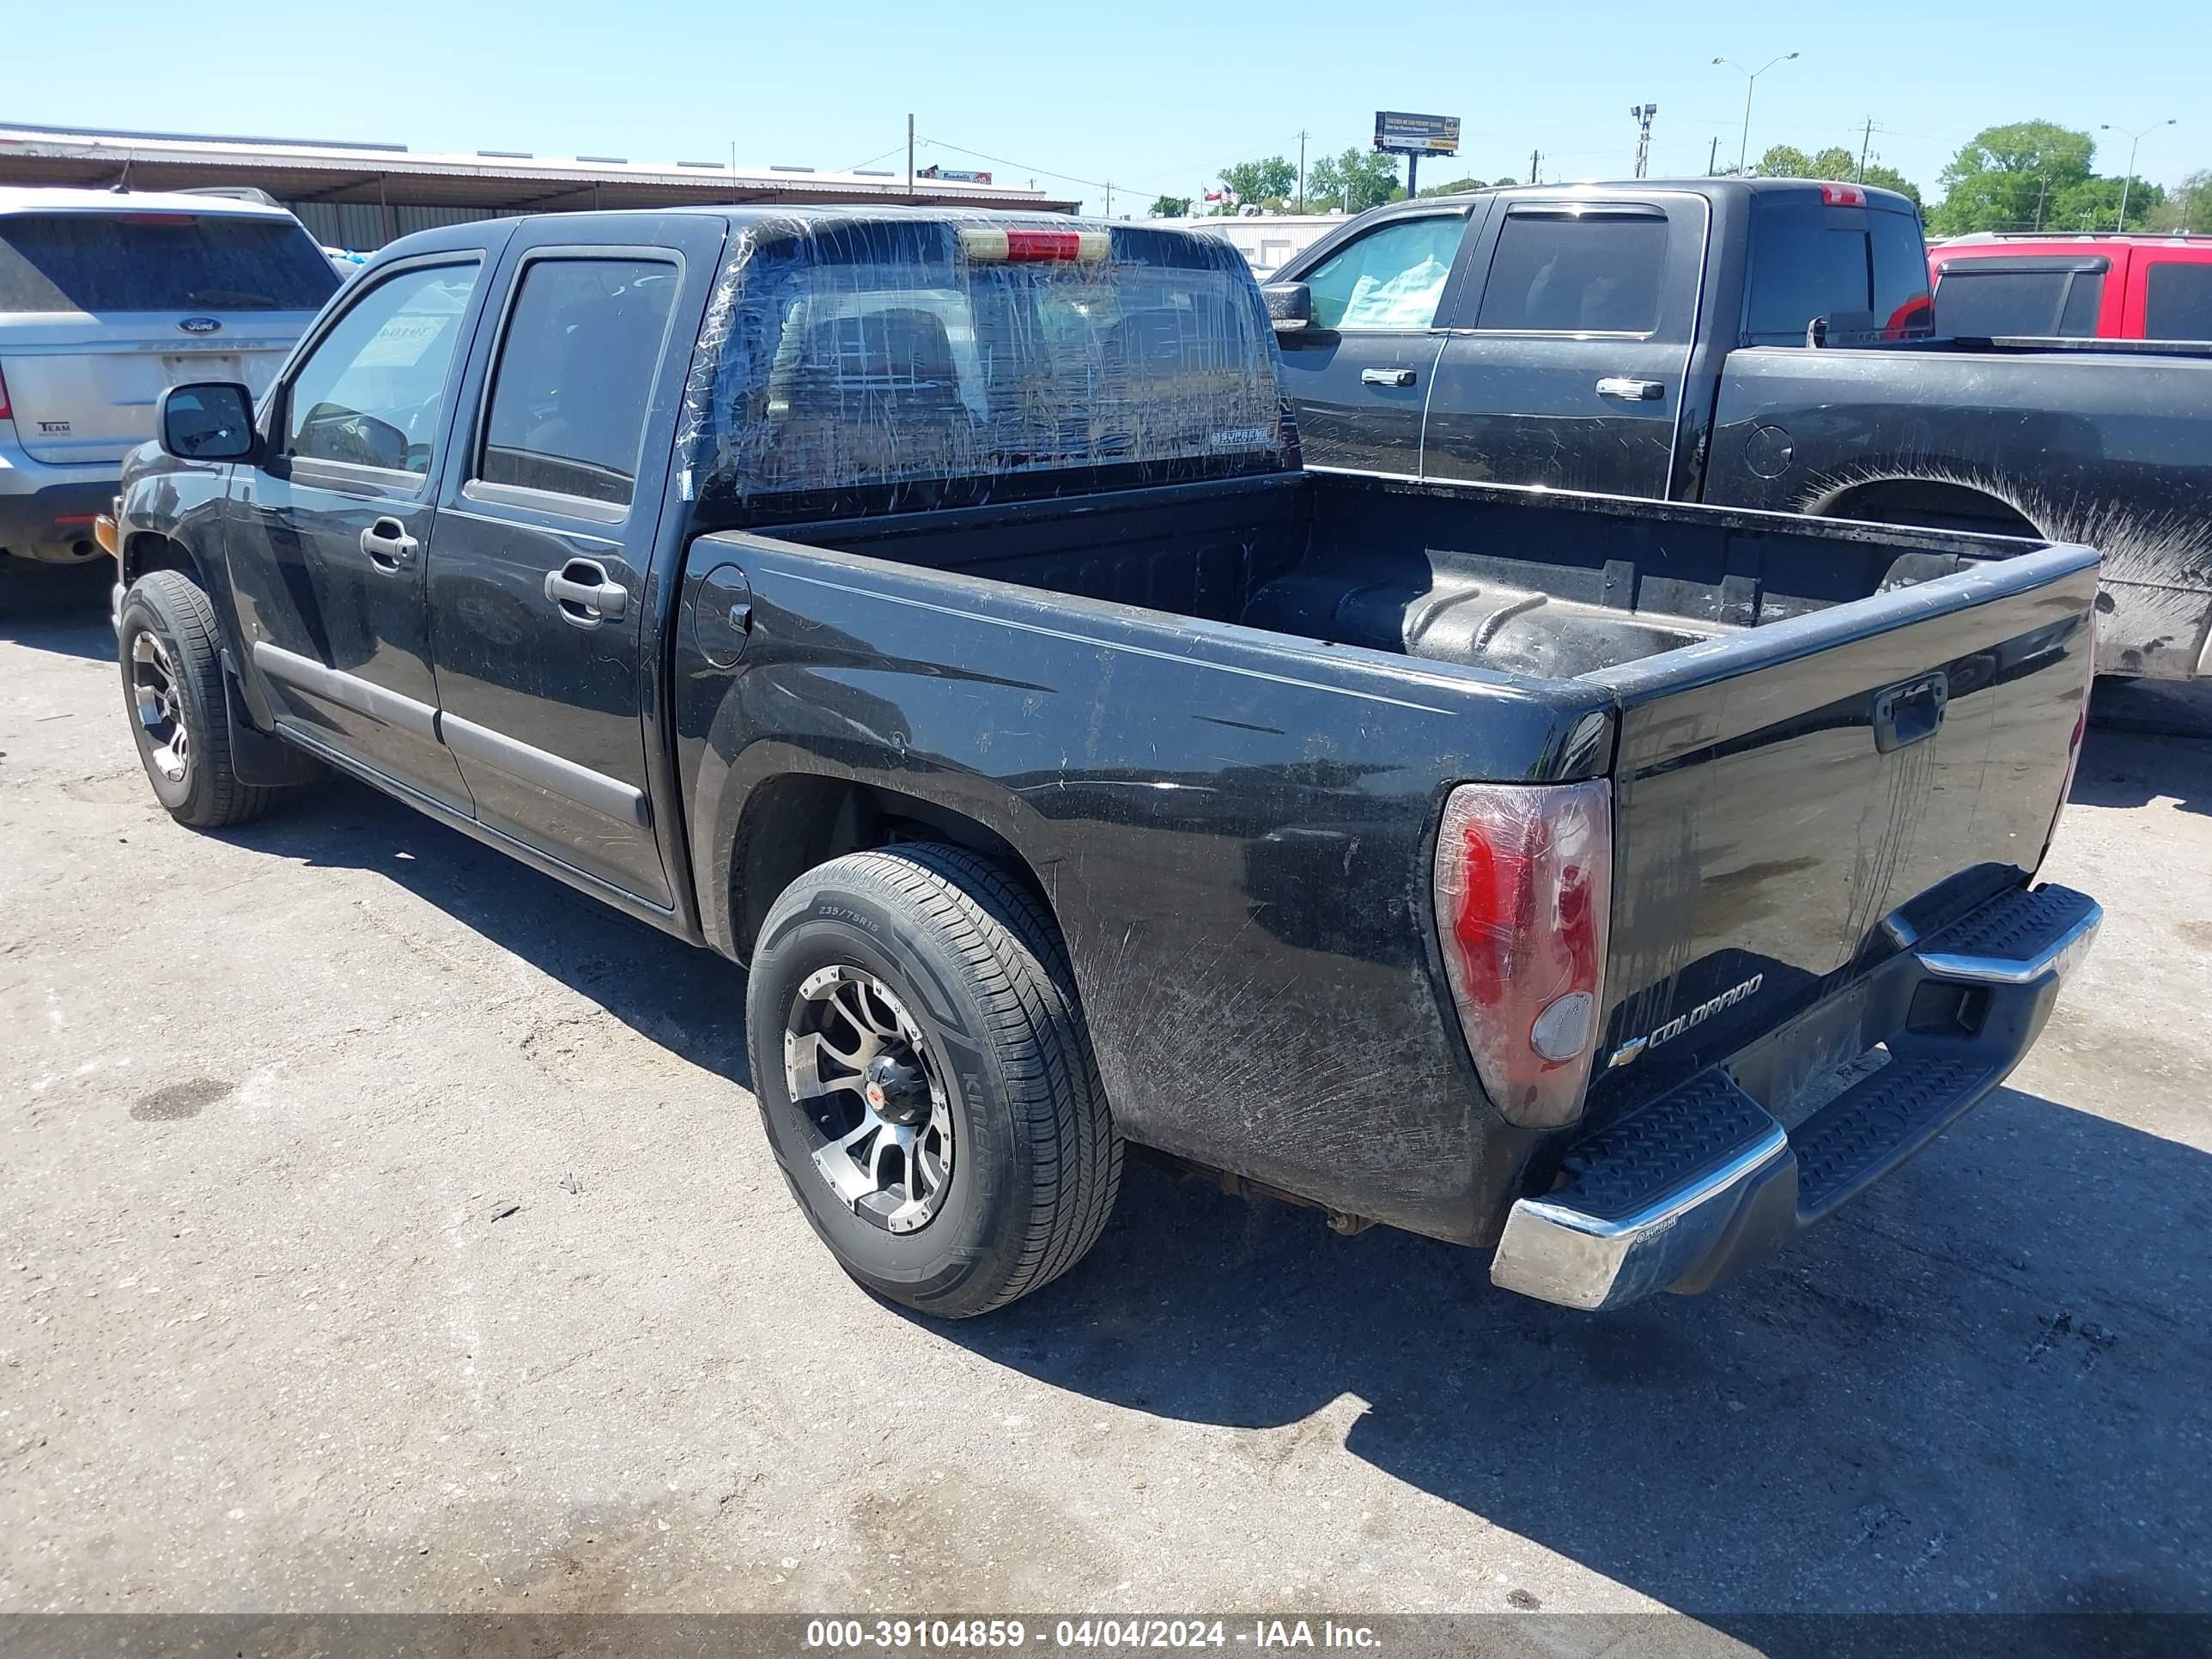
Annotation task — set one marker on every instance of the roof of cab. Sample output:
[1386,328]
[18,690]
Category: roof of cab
[35,198]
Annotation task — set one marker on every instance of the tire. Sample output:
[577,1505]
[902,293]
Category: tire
[167,626]
[964,957]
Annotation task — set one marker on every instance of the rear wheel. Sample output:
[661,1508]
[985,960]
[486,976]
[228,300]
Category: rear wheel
[926,1079]
[173,687]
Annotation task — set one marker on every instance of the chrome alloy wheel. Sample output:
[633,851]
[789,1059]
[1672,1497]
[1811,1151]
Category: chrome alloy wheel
[862,1076]
[160,705]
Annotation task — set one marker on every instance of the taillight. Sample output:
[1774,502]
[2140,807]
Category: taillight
[1842,196]
[1005,244]
[1524,896]
[5,412]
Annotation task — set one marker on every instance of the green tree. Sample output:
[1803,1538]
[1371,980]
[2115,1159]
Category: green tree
[1882,178]
[1355,181]
[1170,206]
[1269,180]
[2094,204]
[2190,206]
[1783,161]
[2006,178]
[1454,186]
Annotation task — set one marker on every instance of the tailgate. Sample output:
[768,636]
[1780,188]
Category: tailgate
[86,392]
[1778,793]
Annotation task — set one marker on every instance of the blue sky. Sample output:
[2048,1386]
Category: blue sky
[1154,97]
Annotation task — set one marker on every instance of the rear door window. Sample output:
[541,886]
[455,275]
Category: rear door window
[1576,273]
[2177,301]
[576,372]
[1390,278]
[1994,302]
[103,262]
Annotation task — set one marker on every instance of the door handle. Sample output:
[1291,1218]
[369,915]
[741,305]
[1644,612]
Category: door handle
[1631,391]
[581,592]
[1386,377]
[389,547]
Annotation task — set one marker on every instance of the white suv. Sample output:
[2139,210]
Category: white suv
[106,300]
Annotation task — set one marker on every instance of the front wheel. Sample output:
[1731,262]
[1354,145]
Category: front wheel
[172,688]
[926,1079]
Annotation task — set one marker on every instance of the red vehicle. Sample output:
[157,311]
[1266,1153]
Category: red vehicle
[2101,286]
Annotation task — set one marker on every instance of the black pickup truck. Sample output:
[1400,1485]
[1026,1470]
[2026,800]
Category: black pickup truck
[931,613]
[1650,339]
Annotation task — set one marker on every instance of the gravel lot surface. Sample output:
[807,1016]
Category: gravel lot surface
[388,1228]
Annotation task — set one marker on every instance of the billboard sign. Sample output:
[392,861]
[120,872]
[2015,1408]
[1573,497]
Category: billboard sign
[953,176]
[1416,135]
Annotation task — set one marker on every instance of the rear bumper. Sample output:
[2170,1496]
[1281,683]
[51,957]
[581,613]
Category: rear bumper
[1699,1183]
[45,519]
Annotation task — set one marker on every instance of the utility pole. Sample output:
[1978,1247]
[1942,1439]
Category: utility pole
[1535,157]
[1302,170]
[1642,114]
[1865,139]
[2042,191]
[1110,199]
[1712,155]
[910,158]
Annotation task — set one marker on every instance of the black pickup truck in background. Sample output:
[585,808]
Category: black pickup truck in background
[1649,339]
[931,613]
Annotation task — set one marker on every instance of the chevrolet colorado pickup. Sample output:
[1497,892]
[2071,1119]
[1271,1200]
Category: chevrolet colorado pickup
[1652,339]
[931,611]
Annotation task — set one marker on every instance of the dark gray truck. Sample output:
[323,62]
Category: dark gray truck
[932,612]
[1651,339]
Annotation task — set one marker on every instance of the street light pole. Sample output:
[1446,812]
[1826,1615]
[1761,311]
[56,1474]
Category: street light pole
[1750,84]
[2128,183]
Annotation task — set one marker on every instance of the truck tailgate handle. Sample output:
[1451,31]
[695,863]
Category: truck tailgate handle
[584,595]
[389,547]
[1631,391]
[1387,377]
[1906,714]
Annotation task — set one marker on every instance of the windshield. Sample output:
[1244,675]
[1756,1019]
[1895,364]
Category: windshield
[103,262]
[879,355]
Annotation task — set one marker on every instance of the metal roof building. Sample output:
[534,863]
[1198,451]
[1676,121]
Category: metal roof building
[362,196]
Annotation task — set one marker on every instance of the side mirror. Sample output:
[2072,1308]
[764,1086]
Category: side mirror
[209,421]
[1290,306]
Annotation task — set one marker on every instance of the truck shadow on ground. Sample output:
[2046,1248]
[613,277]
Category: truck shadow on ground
[2126,766]
[1968,1392]
[1978,1388]
[688,1000]
[63,611]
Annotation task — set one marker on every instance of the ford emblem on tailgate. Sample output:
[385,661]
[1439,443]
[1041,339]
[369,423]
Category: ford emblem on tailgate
[200,324]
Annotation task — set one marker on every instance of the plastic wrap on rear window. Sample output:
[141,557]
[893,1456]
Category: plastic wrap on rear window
[879,362]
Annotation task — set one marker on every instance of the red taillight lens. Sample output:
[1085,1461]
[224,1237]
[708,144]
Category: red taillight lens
[5,412]
[1842,196]
[1524,896]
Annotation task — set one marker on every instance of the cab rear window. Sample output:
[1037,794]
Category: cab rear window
[1861,272]
[920,362]
[105,262]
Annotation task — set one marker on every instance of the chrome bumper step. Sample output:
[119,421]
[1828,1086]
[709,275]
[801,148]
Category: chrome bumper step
[1691,1186]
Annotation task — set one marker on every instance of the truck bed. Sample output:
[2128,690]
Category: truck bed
[1518,581]
[1196,710]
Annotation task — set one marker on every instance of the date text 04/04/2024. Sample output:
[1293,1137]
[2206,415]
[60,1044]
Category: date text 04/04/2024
[898,1634]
